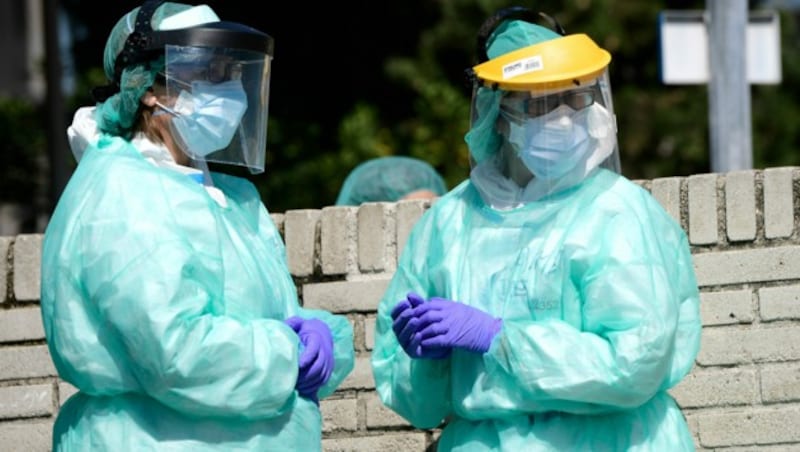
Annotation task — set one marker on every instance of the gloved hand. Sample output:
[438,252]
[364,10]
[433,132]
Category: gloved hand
[316,360]
[445,323]
[405,327]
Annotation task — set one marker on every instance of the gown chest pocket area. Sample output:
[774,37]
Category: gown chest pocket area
[540,288]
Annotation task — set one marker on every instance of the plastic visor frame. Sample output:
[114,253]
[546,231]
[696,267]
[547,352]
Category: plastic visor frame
[560,63]
[216,34]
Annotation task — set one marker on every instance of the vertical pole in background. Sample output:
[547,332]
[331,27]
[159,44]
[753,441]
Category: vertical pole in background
[728,88]
[56,135]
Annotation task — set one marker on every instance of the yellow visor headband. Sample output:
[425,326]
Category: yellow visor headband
[570,61]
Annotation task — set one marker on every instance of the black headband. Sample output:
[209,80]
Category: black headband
[138,40]
[132,50]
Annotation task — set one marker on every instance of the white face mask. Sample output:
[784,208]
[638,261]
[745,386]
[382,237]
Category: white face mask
[554,144]
[207,117]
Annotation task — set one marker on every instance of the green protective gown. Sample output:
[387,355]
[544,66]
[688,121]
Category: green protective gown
[599,301]
[166,311]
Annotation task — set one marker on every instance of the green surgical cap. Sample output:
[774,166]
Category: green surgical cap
[389,179]
[117,114]
[482,139]
[516,34]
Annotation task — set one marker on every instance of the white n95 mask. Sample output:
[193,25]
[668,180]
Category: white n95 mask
[206,118]
[555,143]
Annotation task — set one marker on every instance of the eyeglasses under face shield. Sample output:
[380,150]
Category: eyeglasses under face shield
[565,121]
[519,105]
[215,65]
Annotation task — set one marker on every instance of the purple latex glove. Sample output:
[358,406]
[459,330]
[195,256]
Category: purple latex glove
[316,360]
[445,323]
[405,327]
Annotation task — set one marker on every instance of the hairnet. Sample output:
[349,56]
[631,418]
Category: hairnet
[117,113]
[389,179]
[482,139]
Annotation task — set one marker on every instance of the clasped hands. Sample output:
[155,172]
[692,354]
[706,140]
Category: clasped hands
[316,361]
[434,328]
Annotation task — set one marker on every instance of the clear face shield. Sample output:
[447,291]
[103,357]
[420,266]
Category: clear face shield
[557,134]
[218,100]
[542,116]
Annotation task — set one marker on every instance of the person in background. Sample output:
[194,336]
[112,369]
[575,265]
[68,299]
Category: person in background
[391,179]
[166,297]
[547,303]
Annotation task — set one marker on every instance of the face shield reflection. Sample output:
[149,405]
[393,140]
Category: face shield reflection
[218,100]
[519,105]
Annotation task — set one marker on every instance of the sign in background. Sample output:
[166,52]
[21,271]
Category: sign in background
[684,47]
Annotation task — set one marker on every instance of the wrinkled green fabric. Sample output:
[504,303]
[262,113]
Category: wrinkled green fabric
[482,139]
[117,114]
[166,311]
[597,292]
[388,179]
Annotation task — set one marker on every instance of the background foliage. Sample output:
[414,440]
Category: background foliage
[354,80]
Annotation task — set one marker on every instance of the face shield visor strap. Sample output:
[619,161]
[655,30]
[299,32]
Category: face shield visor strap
[132,49]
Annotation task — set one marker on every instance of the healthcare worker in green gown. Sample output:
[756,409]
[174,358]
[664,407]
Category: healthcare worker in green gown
[390,179]
[166,297]
[548,303]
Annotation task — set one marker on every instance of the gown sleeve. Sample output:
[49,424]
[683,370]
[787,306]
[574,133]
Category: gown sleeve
[416,389]
[158,291]
[158,303]
[639,334]
[343,352]
[341,329]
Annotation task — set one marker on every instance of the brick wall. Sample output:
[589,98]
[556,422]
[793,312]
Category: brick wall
[742,395]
